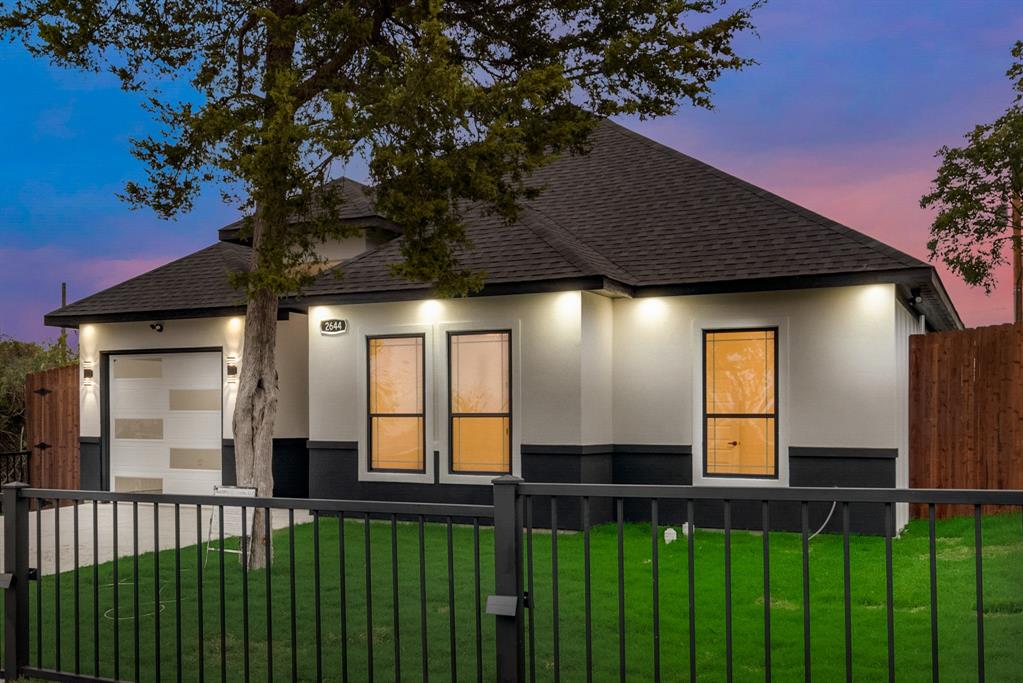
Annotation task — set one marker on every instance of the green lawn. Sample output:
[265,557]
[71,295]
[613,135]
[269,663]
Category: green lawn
[1003,583]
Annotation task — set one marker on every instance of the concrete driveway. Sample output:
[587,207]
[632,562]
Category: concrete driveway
[147,541]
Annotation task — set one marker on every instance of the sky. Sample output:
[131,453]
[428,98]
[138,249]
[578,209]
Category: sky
[843,113]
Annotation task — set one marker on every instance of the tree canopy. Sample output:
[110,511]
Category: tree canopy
[18,359]
[450,102]
[977,193]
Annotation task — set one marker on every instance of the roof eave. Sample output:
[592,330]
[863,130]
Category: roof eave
[937,309]
[58,319]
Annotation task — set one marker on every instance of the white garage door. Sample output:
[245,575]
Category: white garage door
[165,422]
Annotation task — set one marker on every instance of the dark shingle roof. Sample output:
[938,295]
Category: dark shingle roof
[198,282]
[356,207]
[631,211]
[668,218]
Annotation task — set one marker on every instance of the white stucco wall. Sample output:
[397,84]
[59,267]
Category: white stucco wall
[586,369]
[546,366]
[597,363]
[292,357]
[838,378]
[343,249]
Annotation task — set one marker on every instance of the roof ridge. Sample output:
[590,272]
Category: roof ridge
[825,222]
[565,237]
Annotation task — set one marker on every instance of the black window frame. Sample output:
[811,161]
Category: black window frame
[452,415]
[776,415]
[370,414]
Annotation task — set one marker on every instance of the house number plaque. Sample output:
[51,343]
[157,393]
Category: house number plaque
[333,326]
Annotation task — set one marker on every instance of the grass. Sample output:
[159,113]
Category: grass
[1003,606]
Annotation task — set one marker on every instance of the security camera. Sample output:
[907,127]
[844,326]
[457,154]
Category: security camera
[156,327]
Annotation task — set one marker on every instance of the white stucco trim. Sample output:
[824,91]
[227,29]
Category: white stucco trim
[724,323]
[361,360]
[440,395]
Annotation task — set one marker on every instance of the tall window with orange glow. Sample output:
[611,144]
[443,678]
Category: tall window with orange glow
[480,402]
[396,397]
[740,403]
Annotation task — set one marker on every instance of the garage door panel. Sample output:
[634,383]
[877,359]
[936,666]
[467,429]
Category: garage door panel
[138,456]
[204,426]
[166,420]
[134,368]
[135,398]
[192,372]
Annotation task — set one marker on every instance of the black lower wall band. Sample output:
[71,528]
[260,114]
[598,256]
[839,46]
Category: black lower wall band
[330,469]
[290,467]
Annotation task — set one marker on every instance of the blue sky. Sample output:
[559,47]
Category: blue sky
[843,114]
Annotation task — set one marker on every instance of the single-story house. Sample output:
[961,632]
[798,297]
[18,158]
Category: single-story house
[649,319]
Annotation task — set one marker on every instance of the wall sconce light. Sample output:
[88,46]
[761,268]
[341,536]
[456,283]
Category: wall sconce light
[87,374]
[232,369]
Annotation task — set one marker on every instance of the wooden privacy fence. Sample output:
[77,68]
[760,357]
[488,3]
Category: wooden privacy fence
[51,428]
[966,411]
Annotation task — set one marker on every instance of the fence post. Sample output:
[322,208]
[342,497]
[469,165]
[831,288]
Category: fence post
[15,580]
[507,604]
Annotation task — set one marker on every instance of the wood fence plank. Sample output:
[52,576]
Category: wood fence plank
[966,411]
[53,419]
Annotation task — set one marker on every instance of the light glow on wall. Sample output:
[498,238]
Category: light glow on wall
[568,305]
[430,311]
[233,337]
[652,310]
[876,299]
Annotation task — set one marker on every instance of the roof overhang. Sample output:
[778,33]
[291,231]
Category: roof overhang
[919,289]
[56,319]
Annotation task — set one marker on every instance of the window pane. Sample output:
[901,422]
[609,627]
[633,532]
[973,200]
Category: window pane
[138,368]
[743,445]
[396,375]
[479,373]
[138,428]
[397,443]
[740,372]
[480,444]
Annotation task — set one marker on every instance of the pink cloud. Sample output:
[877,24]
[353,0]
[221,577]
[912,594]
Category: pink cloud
[880,197]
[31,281]
[103,273]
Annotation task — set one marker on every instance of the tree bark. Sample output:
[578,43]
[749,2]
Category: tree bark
[255,412]
[1017,261]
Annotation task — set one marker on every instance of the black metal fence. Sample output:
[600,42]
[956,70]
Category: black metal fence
[363,590]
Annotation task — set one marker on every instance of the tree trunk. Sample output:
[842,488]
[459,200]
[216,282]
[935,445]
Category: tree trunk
[1017,262]
[255,412]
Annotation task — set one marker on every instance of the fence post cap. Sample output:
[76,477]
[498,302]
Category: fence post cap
[508,479]
[15,485]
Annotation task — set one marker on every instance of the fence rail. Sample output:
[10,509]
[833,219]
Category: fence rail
[141,588]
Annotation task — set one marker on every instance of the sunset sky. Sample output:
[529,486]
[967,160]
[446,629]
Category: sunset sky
[843,115]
